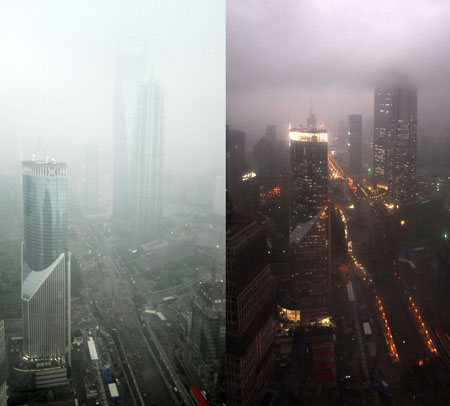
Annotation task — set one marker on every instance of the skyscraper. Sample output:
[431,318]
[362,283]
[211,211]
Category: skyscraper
[309,173]
[147,164]
[130,73]
[355,141]
[249,310]
[91,177]
[46,270]
[308,289]
[395,140]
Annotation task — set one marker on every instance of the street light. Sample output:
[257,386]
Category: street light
[402,222]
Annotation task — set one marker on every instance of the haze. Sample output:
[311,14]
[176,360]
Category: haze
[333,52]
[57,77]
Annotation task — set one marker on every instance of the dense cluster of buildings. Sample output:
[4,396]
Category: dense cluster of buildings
[295,275]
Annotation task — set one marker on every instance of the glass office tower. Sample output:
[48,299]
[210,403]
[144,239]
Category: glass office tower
[45,263]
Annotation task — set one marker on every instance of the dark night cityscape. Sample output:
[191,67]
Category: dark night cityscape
[231,202]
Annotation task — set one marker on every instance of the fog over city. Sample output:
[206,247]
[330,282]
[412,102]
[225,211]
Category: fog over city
[112,202]
[57,76]
[278,57]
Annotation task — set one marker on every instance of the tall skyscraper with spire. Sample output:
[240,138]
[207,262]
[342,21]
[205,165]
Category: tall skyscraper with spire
[131,69]
[147,164]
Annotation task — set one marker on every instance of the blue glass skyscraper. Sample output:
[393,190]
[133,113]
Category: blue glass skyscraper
[45,268]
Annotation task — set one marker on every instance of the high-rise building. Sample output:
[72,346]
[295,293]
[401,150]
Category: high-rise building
[46,271]
[355,141]
[306,293]
[395,140]
[91,177]
[308,225]
[147,164]
[309,173]
[249,310]
[131,70]
[207,340]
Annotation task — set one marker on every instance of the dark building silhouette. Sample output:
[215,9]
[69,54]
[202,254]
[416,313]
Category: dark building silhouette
[242,183]
[249,311]
[395,140]
[266,157]
[355,141]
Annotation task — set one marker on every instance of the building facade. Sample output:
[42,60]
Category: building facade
[147,164]
[249,312]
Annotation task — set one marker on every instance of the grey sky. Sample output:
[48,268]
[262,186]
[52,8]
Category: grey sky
[57,75]
[281,53]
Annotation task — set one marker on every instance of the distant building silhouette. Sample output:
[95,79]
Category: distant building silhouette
[395,140]
[147,164]
[131,70]
[355,141]
[91,177]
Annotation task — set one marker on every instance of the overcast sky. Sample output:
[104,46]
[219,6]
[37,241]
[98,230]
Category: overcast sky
[57,75]
[282,53]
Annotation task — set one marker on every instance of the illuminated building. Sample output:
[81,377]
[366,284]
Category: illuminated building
[147,164]
[46,271]
[395,140]
[129,74]
[355,141]
[91,177]
[309,173]
[308,288]
[249,336]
